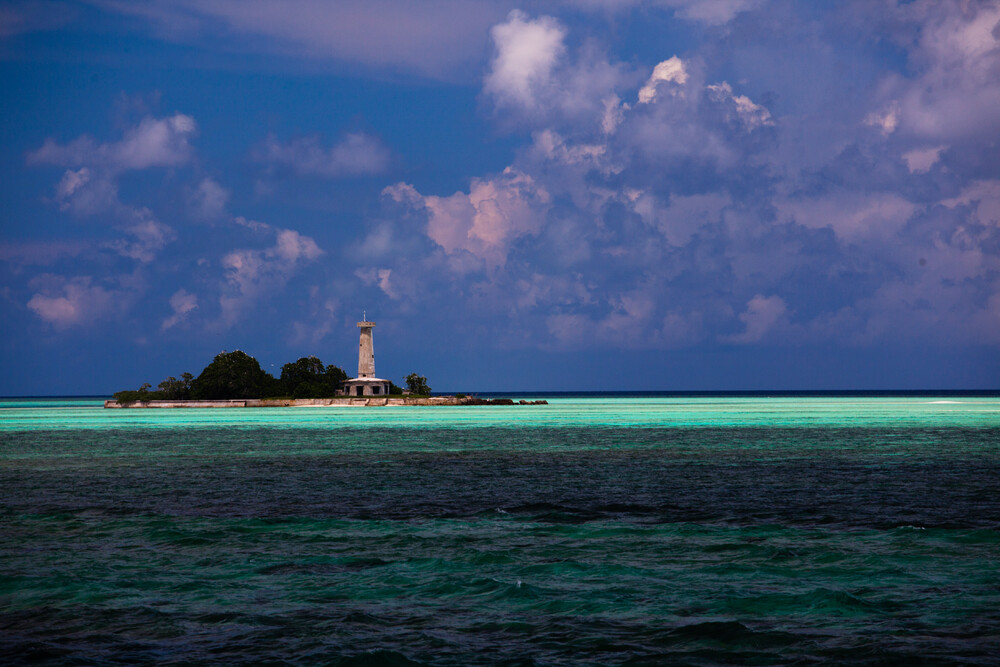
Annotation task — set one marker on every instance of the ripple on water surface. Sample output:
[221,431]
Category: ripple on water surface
[684,535]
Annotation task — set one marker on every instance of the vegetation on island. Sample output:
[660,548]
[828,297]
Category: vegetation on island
[417,385]
[233,375]
[238,375]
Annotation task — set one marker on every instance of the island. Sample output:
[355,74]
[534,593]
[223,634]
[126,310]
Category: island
[236,380]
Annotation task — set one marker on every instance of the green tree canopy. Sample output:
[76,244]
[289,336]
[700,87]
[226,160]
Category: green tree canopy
[232,375]
[173,389]
[305,370]
[417,384]
[309,378]
[238,375]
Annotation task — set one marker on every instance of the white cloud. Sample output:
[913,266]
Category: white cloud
[533,78]
[853,216]
[155,142]
[208,200]
[613,113]
[920,160]
[983,197]
[655,214]
[671,71]
[382,278]
[251,274]
[357,154]
[84,193]
[760,317]
[73,302]
[72,181]
[92,189]
[679,221]
[291,247]
[551,146]
[182,302]
[526,54]
[739,109]
[487,220]
[886,120]
[954,48]
[146,236]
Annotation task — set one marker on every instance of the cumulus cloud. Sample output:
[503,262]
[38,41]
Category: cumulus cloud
[208,200]
[526,53]
[982,198]
[72,302]
[580,200]
[680,218]
[380,277]
[487,220]
[155,142]
[853,216]
[920,160]
[672,201]
[886,119]
[89,188]
[761,316]
[672,72]
[954,50]
[182,302]
[253,274]
[145,237]
[658,218]
[533,77]
[84,193]
[739,109]
[358,154]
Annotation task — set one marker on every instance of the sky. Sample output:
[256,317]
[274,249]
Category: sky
[536,196]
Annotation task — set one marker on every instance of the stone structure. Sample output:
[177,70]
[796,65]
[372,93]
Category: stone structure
[340,402]
[366,384]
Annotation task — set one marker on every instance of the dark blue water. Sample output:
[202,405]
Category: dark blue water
[445,545]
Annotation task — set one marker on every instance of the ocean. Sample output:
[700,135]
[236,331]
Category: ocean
[623,530]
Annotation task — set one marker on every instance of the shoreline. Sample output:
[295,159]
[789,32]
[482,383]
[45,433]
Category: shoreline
[339,401]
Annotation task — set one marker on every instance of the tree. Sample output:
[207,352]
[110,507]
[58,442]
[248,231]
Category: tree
[173,389]
[417,384]
[305,371]
[335,377]
[238,375]
[309,378]
[231,375]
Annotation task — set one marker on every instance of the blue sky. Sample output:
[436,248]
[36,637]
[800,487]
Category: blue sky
[606,194]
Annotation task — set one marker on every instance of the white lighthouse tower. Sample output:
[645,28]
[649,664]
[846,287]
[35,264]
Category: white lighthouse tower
[366,384]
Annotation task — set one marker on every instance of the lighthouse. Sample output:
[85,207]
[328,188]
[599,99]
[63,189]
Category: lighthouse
[366,351]
[366,384]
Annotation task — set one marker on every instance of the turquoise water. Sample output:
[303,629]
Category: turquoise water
[23,414]
[588,531]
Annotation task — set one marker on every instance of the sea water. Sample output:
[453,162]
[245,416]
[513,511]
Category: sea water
[599,530]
